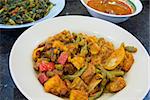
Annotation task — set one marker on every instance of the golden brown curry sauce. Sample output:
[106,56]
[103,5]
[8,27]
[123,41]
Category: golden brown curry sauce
[116,7]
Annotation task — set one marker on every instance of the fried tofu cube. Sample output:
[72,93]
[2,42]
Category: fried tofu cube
[59,44]
[94,48]
[89,73]
[56,86]
[92,39]
[78,95]
[78,84]
[116,85]
[128,62]
[78,62]
[115,58]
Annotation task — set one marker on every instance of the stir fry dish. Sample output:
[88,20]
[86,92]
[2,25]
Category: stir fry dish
[14,12]
[80,66]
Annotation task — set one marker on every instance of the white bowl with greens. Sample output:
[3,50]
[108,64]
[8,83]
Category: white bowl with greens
[22,13]
[135,5]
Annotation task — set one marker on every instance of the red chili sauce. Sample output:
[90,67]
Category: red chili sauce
[116,7]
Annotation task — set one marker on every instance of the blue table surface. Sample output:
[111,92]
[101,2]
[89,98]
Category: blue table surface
[137,25]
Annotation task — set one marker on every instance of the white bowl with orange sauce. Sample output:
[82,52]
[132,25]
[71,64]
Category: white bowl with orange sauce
[110,13]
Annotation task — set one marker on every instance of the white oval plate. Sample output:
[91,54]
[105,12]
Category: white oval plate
[59,5]
[22,71]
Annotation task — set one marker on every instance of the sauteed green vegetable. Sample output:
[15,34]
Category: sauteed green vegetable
[14,12]
[80,66]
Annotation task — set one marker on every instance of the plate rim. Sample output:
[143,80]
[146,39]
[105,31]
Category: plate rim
[69,16]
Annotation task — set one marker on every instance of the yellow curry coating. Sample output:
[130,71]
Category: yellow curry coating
[80,66]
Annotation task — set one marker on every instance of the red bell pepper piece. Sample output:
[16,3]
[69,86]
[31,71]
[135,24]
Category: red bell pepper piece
[45,66]
[63,58]
[42,78]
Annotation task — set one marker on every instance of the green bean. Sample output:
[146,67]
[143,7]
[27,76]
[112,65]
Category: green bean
[14,18]
[50,74]
[97,70]
[18,16]
[34,16]
[131,49]
[19,21]
[102,71]
[31,1]
[82,42]
[78,38]
[104,82]
[98,94]
[44,4]
[92,85]
[73,33]
[110,74]
[29,18]
[12,22]
[78,73]
[88,59]
[116,73]
[84,51]
[1,10]
[48,9]
[58,66]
